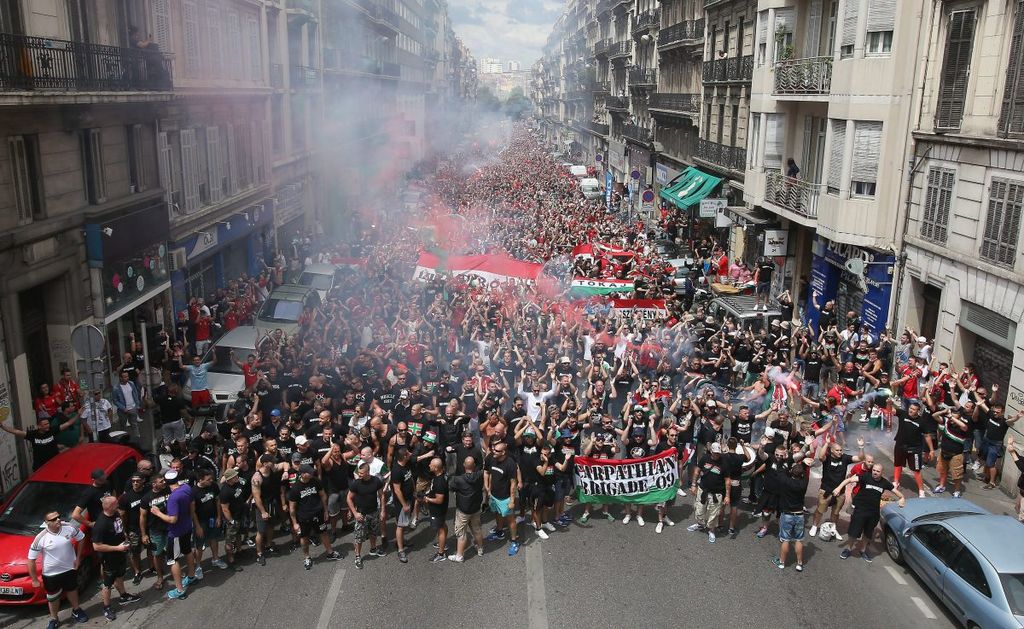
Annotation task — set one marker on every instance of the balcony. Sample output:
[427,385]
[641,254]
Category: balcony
[35,63]
[602,87]
[601,48]
[300,11]
[803,77]
[729,70]
[390,69]
[605,6]
[598,128]
[795,195]
[726,157]
[643,78]
[646,21]
[684,33]
[277,76]
[675,103]
[637,133]
[616,103]
[304,77]
[431,57]
[621,50]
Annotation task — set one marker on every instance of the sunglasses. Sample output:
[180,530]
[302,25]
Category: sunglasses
[56,519]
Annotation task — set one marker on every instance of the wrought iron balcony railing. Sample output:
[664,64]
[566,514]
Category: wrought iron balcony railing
[729,157]
[811,76]
[690,31]
[601,47]
[689,103]
[795,195]
[304,77]
[638,133]
[729,70]
[602,87]
[646,21]
[597,127]
[619,49]
[642,77]
[616,102]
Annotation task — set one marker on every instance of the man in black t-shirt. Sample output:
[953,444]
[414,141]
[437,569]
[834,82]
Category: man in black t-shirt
[763,282]
[43,438]
[403,487]
[307,504]
[365,502]
[437,505]
[712,478]
[205,496]
[501,483]
[109,540]
[910,436]
[91,502]
[469,498]
[834,463]
[128,505]
[866,508]
[792,489]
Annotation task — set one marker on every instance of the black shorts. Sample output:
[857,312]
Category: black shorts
[436,521]
[114,567]
[543,496]
[908,458]
[178,548]
[862,524]
[309,526]
[735,494]
[57,584]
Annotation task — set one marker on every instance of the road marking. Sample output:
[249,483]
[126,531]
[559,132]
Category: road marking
[896,576]
[928,613]
[333,593]
[536,599]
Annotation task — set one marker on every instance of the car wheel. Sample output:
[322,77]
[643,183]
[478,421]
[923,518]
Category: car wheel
[892,546]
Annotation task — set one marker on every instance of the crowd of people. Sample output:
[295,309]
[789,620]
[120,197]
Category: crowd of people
[398,400]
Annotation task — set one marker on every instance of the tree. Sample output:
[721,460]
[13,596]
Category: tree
[517,105]
[486,100]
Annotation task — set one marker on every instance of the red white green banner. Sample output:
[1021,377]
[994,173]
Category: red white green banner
[649,480]
[484,268]
[586,286]
[654,309]
[589,250]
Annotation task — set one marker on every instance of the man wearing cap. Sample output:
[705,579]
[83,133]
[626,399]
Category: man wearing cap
[91,502]
[365,502]
[234,495]
[712,479]
[180,517]
[307,506]
[60,565]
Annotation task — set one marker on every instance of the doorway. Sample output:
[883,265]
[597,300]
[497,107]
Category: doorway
[32,307]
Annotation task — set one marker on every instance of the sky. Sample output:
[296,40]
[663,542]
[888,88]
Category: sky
[511,30]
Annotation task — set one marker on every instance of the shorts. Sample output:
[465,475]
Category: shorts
[437,522]
[178,548]
[337,501]
[157,543]
[234,531]
[791,527]
[422,485]
[211,533]
[499,506]
[55,585]
[563,488]
[763,288]
[993,451]
[201,398]
[543,496]
[369,527]
[910,459]
[263,525]
[114,567]
[862,524]
[466,523]
[735,494]
[823,499]
[134,541]
[173,431]
[954,465]
[403,519]
[308,526]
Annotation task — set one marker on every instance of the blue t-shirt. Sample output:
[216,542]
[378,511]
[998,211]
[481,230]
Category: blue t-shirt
[180,504]
[198,374]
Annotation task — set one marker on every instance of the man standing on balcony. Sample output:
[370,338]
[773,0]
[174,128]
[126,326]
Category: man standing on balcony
[763,282]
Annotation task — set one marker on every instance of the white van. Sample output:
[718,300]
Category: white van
[591,188]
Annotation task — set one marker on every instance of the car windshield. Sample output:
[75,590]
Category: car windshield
[1013,585]
[24,515]
[281,311]
[220,356]
[318,281]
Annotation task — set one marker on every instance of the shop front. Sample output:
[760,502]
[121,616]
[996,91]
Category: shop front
[289,214]
[685,193]
[859,279]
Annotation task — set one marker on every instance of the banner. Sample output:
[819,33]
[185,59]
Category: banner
[485,268]
[652,309]
[585,286]
[649,480]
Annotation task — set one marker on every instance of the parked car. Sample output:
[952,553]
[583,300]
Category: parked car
[322,277]
[283,309]
[591,188]
[59,485]
[972,560]
[225,377]
[741,309]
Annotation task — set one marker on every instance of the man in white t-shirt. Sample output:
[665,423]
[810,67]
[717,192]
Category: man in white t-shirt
[98,415]
[60,565]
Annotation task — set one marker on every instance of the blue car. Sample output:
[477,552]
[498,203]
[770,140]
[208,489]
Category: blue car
[971,559]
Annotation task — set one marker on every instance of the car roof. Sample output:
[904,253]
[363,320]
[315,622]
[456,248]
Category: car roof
[997,537]
[744,305]
[320,269]
[291,292]
[244,336]
[76,465]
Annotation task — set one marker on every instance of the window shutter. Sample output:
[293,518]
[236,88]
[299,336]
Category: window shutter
[850,16]
[881,15]
[214,39]
[22,177]
[773,141]
[255,60]
[956,69]
[1002,223]
[867,145]
[258,165]
[164,161]
[1011,117]
[836,153]
[162,24]
[213,162]
[232,159]
[190,19]
[189,169]
[812,38]
[784,20]
[938,198]
[234,41]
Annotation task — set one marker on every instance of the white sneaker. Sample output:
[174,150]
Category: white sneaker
[667,521]
[456,558]
[549,527]
[541,533]
[693,527]
[813,531]
[640,520]
[711,534]
[520,519]
[659,528]
[839,538]
[627,518]
[681,492]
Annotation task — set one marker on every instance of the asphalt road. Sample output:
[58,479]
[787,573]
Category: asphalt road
[599,574]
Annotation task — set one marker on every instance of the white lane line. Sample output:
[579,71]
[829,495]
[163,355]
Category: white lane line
[928,613]
[896,576]
[333,593]
[536,598]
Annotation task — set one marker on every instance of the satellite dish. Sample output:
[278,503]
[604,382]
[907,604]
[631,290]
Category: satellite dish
[854,266]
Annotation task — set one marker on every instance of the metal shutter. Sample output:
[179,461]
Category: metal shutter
[881,15]
[851,13]
[214,40]
[1002,223]
[956,69]
[1011,118]
[938,198]
[162,24]
[189,169]
[22,177]
[232,159]
[836,153]
[234,41]
[774,130]
[812,37]
[867,148]
[255,55]
[785,20]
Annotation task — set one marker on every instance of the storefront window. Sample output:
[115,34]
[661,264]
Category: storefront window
[126,281]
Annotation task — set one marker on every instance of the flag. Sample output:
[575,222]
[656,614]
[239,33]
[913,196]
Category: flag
[649,480]
[583,286]
[649,308]
[491,270]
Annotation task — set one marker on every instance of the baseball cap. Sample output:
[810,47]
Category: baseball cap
[404,394]
[716,447]
[301,439]
[712,403]
[98,474]
[209,427]
[275,413]
[430,437]
[230,473]
[529,432]
[306,469]
[171,475]
[563,359]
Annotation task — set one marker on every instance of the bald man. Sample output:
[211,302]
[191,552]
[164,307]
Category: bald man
[469,497]
[437,505]
[110,541]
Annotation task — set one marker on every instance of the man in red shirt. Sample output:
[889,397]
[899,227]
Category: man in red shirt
[908,383]
[47,403]
[250,369]
[67,389]
[203,327]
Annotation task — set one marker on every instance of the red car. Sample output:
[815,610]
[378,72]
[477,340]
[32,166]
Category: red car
[59,485]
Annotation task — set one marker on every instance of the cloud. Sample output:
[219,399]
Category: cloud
[510,30]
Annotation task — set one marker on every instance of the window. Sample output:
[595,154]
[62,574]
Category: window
[755,134]
[837,152]
[956,68]
[1002,222]
[162,23]
[1011,117]
[784,22]
[937,201]
[213,164]
[966,566]
[255,55]
[164,161]
[92,166]
[880,43]
[942,544]
[214,39]
[234,45]
[775,129]
[851,12]
[136,163]
[867,143]
[24,150]
[190,170]
[190,21]
[881,24]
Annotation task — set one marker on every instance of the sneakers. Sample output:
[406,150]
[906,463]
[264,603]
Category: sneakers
[667,521]
[762,532]
[541,533]
[564,520]
[813,531]
[660,527]
[79,615]
[404,558]
[174,593]
[778,563]
[627,518]
[219,563]
[379,552]
[733,533]
[137,578]
[939,489]
[199,573]
[694,527]
[839,538]
[520,519]
[711,537]
[307,563]
[456,558]
[920,494]
[976,466]
[359,562]
[640,520]
[989,486]
[513,549]
[757,514]
[799,567]
[109,614]
[957,494]
[681,492]
[438,558]
[335,555]
[479,552]
[53,624]
[187,581]
[128,598]
[608,516]
[845,554]
[496,535]
[865,556]
[549,527]
[261,560]
[584,517]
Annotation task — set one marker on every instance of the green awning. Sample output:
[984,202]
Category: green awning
[692,186]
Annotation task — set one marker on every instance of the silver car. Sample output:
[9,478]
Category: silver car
[971,559]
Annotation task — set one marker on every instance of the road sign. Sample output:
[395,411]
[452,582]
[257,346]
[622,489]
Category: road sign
[87,340]
[648,196]
[635,174]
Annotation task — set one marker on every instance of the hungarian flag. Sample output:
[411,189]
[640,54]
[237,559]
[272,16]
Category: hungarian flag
[647,480]
[491,270]
[585,287]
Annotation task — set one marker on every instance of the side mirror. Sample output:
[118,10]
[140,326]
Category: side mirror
[907,532]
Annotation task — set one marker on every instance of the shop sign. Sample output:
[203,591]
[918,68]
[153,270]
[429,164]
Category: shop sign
[776,242]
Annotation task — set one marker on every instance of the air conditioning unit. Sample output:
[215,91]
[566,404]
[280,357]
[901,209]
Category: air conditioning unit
[179,259]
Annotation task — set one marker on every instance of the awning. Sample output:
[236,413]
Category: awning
[691,186]
[748,216]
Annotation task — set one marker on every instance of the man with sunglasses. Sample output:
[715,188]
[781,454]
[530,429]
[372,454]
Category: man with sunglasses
[501,483]
[60,565]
